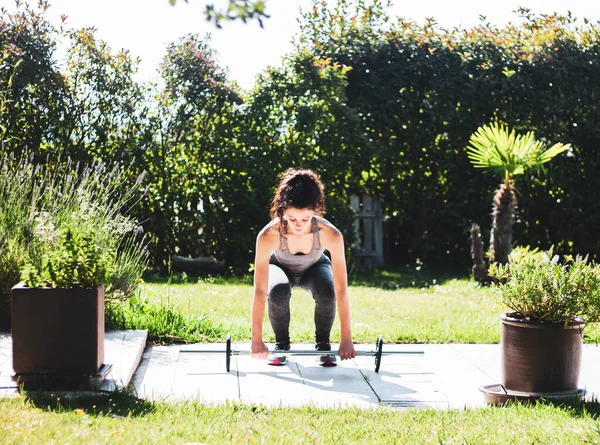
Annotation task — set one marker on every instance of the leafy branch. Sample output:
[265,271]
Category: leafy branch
[236,10]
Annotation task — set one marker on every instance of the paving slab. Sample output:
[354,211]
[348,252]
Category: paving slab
[123,350]
[205,379]
[7,385]
[155,376]
[589,378]
[328,387]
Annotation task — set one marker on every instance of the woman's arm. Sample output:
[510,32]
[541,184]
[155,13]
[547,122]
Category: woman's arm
[334,242]
[264,247]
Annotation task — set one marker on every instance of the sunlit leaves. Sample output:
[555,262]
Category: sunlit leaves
[501,151]
[243,10]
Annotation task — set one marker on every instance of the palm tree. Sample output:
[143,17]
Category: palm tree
[500,151]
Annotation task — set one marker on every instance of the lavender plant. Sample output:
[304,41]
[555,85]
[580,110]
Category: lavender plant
[72,226]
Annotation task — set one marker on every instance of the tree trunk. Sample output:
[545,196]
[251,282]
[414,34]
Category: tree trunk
[479,268]
[503,217]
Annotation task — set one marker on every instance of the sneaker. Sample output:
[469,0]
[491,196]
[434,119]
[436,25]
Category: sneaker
[327,359]
[279,360]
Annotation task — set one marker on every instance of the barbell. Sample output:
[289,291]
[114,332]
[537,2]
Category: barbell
[377,353]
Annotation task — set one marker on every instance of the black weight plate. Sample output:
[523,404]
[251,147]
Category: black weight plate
[228,352]
[379,349]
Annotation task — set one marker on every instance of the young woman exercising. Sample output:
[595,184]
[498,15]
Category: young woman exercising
[290,253]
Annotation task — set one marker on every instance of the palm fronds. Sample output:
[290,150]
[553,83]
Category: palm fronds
[504,153]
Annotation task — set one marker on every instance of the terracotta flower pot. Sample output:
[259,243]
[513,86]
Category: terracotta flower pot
[57,330]
[540,357]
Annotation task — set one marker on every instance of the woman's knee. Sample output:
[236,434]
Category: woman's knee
[280,293]
[322,287]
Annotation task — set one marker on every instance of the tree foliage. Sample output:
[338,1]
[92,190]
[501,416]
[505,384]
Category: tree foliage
[235,10]
[376,105]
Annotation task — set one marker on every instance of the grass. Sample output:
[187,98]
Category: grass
[458,311]
[433,310]
[118,418]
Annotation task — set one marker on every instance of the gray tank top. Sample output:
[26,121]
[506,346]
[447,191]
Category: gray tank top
[300,261]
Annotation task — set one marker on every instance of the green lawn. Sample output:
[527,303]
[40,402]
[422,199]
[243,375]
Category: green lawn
[453,310]
[119,419]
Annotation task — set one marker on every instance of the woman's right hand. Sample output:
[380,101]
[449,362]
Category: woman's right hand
[259,350]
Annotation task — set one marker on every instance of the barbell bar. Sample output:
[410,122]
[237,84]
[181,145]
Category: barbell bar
[377,353]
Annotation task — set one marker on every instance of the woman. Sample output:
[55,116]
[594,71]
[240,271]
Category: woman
[290,253]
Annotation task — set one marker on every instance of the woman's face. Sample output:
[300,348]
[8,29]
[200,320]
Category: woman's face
[298,220]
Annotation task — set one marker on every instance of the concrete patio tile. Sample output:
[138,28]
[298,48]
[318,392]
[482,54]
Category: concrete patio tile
[492,371]
[590,372]
[155,376]
[301,382]
[123,350]
[8,387]
[341,386]
[476,353]
[5,349]
[459,380]
[205,379]
[463,392]
[442,377]
[5,352]
[267,385]
[393,389]
[486,358]
[406,404]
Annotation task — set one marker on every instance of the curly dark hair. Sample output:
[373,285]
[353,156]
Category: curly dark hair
[301,189]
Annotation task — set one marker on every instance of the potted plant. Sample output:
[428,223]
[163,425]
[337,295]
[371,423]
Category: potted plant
[58,308]
[550,301]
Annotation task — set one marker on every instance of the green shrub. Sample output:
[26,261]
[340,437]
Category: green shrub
[75,259]
[547,290]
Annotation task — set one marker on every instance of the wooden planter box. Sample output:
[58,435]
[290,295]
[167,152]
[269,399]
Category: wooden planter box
[57,330]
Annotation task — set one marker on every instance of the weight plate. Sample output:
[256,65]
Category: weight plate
[379,349]
[228,352]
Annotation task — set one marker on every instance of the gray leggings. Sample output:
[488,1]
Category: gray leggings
[318,279]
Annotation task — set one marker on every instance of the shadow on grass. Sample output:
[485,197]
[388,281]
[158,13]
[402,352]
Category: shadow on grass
[389,278]
[184,278]
[584,409]
[121,403]
[576,407]
[401,277]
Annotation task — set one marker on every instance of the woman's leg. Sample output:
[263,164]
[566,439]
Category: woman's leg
[279,293]
[318,279]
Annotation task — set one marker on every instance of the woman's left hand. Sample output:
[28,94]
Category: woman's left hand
[346,350]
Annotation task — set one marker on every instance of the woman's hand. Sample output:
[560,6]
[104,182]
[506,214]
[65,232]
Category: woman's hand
[346,350]
[259,350]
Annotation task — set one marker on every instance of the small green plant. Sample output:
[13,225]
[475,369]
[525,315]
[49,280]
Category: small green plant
[546,289]
[521,254]
[77,258]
